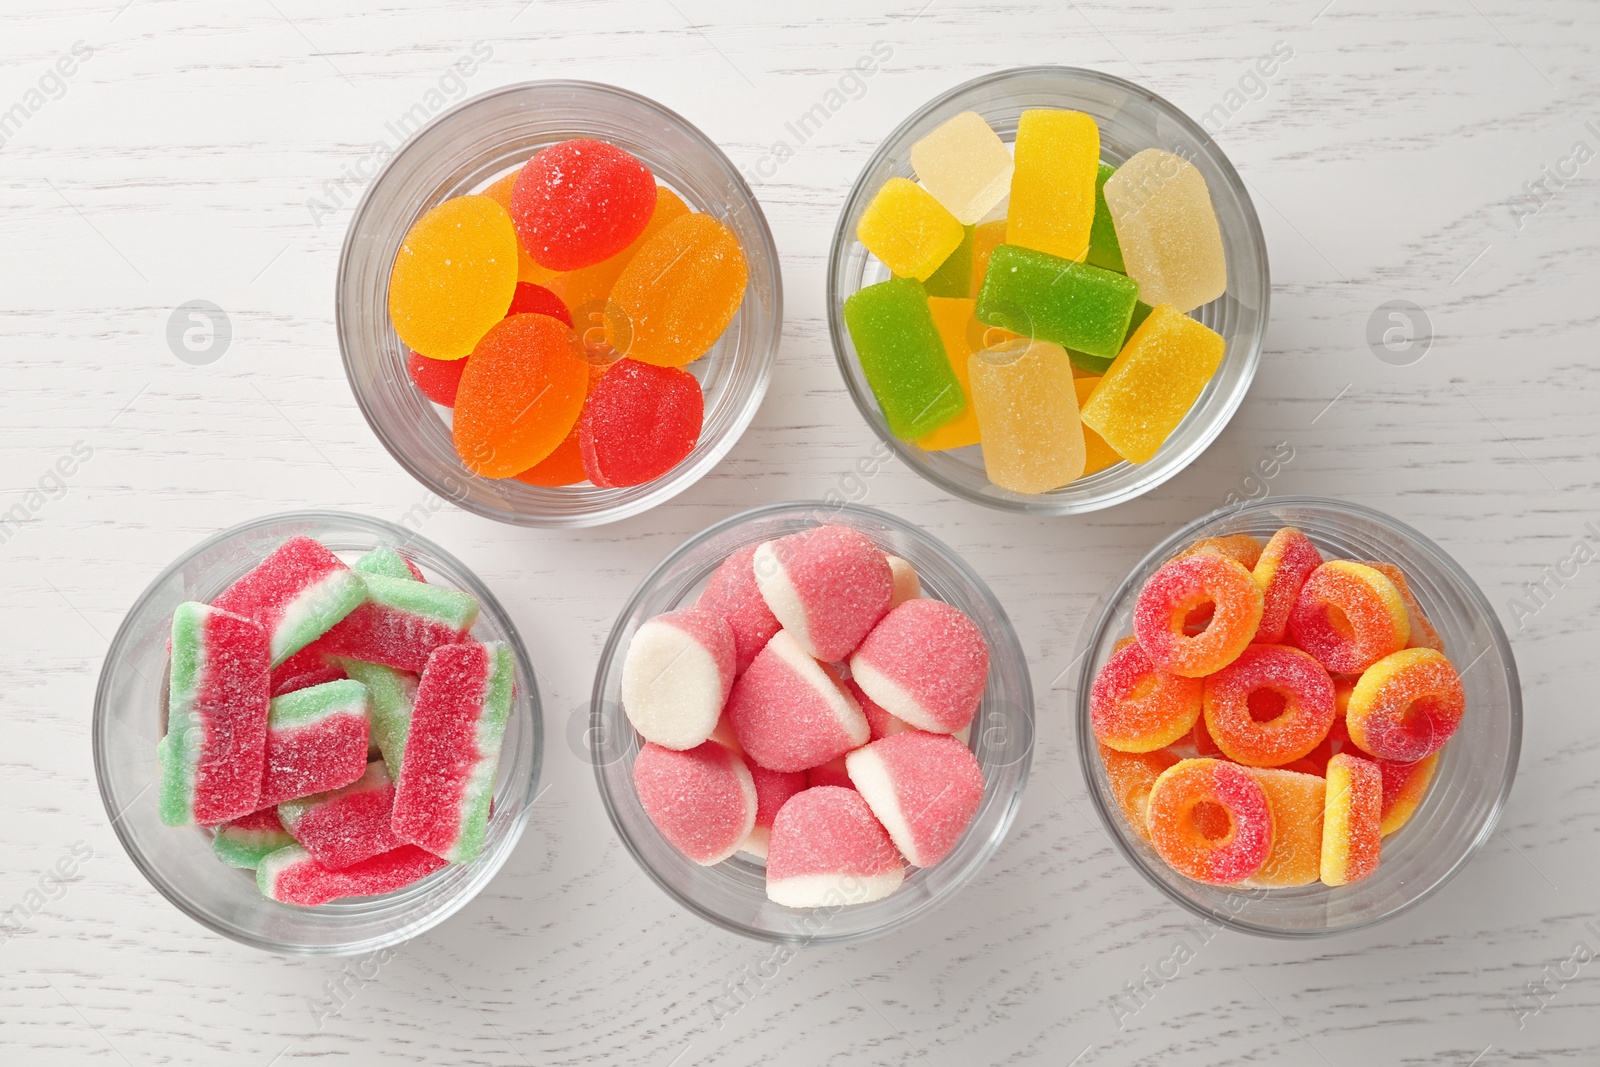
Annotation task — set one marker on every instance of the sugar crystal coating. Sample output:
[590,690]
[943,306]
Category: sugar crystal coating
[641,421]
[1349,616]
[1038,295]
[909,230]
[676,676]
[1137,707]
[453,277]
[1027,411]
[828,585]
[732,592]
[296,594]
[790,713]
[903,357]
[292,876]
[924,788]
[521,393]
[965,165]
[579,202]
[317,740]
[1352,816]
[1153,383]
[345,826]
[1057,156]
[925,662]
[703,800]
[1167,230]
[827,850]
[1178,588]
[679,292]
[1280,572]
[1181,839]
[1293,679]
[1406,706]
[1297,802]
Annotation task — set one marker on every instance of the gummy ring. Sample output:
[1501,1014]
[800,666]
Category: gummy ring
[1404,786]
[1183,585]
[1136,707]
[1243,547]
[1351,815]
[1283,676]
[1349,616]
[1186,796]
[1280,573]
[1406,706]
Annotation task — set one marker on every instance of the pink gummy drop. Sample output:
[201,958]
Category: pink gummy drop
[924,788]
[773,790]
[731,592]
[925,663]
[639,422]
[676,676]
[879,721]
[828,849]
[790,713]
[828,586]
[703,800]
[833,772]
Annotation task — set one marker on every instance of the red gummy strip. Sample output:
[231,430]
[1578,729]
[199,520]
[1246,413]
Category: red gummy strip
[233,701]
[324,755]
[441,746]
[310,883]
[377,633]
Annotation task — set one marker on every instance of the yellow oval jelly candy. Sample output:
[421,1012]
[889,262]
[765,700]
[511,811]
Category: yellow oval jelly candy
[454,277]
[679,292]
[591,285]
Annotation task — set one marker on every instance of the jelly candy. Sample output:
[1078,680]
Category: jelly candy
[678,293]
[906,584]
[579,202]
[292,876]
[790,713]
[773,790]
[390,696]
[640,422]
[564,466]
[389,563]
[965,165]
[1027,412]
[1349,616]
[1104,251]
[952,317]
[1406,706]
[1167,229]
[986,236]
[537,300]
[348,825]
[1153,383]
[1131,774]
[1097,455]
[217,694]
[1241,546]
[834,772]
[295,682]
[1180,801]
[1136,707]
[1404,786]
[1352,814]
[902,357]
[954,276]
[1038,295]
[592,285]
[1423,634]
[458,722]
[527,270]
[453,277]
[520,394]
[296,594]
[1297,802]
[1052,190]
[879,722]
[827,848]
[316,741]
[733,593]
[703,800]
[828,586]
[1280,572]
[925,663]
[924,788]
[676,677]
[1179,587]
[437,379]
[401,622]
[1271,706]
[247,840]
[910,231]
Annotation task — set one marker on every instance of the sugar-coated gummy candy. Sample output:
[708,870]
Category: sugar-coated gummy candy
[1204,743]
[1293,693]
[905,583]
[954,276]
[733,593]
[564,466]
[345,826]
[305,680]
[590,286]
[521,393]
[678,293]
[1179,587]
[296,594]
[1057,156]
[452,748]
[926,663]
[390,697]
[676,676]
[217,701]
[924,788]
[827,585]
[1406,705]
[1104,250]
[964,165]
[640,422]
[1167,230]
[909,230]
[1282,569]
[1404,786]
[1297,802]
[453,277]
[1130,775]
[527,270]
[1153,383]
[903,357]
[1349,616]
[1097,455]
[1135,706]
[401,622]
[834,772]
[389,563]
[292,876]
[579,202]
[952,317]
[790,713]
[436,379]
[986,237]
[307,661]
[532,299]
[1027,410]
[1180,801]
[828,850]
[1035,294]
[317,740]
[1422,632]
[1352,815]
[244,842]
[703,800]
[773,790]
[879,722]
[1245,548]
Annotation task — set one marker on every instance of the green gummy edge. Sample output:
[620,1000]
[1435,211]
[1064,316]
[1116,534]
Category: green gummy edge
[450,607]
[954,276]
[491,734]
[386,562]
[1104,248]
[390,694]
[246,849]
[274,863]
[316,611]
[175,802]
[305,706]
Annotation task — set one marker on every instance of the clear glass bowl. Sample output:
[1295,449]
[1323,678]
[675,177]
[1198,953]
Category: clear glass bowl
[1475,769]
[466,149]
[1131,119]
[129,718]
[733,893]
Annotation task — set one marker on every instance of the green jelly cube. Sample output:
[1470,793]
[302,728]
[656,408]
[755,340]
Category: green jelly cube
[1104,251]
[954,276]
[902,356]
[1082,308]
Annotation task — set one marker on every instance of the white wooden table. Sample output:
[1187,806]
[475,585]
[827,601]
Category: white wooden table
[203,152]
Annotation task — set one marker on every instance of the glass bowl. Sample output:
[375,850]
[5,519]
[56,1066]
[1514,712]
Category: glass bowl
[1475,769]
[465,150]
[129,719]
[1131,119]
[733,893]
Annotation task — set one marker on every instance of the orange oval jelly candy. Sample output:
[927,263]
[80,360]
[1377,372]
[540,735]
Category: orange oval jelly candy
[519,396]
[680,291]
[453,277]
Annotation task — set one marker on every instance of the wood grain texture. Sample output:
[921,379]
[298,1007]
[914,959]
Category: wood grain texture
[1385,159]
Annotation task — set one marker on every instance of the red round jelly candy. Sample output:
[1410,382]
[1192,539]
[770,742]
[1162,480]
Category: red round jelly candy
[579,202]
[533,299]
[438,379]
[640,422]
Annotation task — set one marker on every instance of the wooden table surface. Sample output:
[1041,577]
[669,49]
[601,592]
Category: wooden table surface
[157,152]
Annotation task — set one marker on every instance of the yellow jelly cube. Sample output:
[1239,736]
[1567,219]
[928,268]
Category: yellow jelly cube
[952,316]
[1167,229]
[1153,383]
[1052,190]
[1097,454]
[965,165]
[1028,415]
[908,229]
